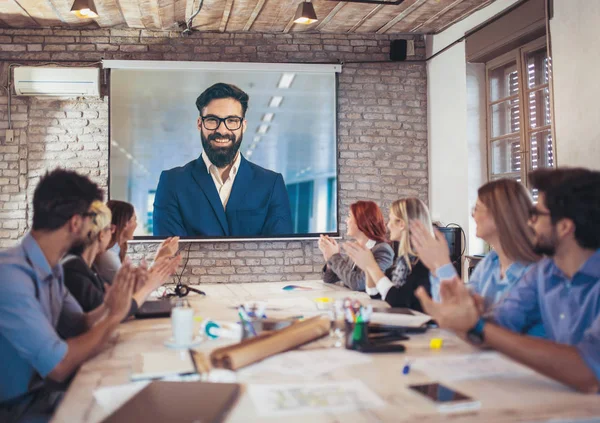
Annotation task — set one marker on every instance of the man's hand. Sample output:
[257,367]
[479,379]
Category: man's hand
[432,249]
[118,298]
[458,310]
[362,256]
[167,248]
[328,246]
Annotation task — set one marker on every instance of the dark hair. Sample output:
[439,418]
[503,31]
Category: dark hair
[60,195]
[222,90]
[369,220]
[572,193]
[121,213]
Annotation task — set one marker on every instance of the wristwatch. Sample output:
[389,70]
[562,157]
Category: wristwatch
[475,335]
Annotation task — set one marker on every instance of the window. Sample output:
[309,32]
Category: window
[519,124]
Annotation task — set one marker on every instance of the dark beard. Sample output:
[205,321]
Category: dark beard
[221,156]
[81,244]
[544,246]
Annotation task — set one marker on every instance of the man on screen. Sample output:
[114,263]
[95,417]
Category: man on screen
[221,193]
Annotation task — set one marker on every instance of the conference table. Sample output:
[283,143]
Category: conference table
[522,396]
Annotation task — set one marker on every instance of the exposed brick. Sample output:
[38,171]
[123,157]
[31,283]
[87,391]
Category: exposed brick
[381,117]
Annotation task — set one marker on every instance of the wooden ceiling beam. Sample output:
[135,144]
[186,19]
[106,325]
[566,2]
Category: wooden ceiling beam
[402,15]
[132,13]
[461,17]
[225,17]
[41,11]
[437,15]
[257,9]
[150,14]
[17,17]
[330,16]
[366,17]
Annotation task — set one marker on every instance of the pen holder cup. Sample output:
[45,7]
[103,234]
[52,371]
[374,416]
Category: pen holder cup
[357,335]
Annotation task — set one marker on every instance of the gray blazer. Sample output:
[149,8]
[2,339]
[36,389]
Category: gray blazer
[342,268]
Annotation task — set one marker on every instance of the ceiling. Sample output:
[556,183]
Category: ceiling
[411,16]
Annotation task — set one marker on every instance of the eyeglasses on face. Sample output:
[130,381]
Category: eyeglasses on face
[534,213]
[212,123]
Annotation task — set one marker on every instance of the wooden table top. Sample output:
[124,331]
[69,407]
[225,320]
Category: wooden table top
[503,399]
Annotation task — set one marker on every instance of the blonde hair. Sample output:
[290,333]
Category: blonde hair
[409,209]
[102,219]
[509,203]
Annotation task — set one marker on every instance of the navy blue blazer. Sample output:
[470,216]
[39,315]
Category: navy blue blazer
[187,203]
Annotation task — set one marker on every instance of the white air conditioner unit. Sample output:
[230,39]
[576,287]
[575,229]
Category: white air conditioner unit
[57,81]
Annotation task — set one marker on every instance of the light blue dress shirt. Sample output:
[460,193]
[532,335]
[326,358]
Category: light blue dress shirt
[34,304]
[487,282]
[569,308]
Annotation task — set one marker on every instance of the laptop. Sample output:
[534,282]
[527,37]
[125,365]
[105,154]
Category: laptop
[154,309]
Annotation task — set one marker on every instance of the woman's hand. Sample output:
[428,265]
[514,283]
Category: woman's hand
[328,246]
[432,250]
[361,256]
[167,248]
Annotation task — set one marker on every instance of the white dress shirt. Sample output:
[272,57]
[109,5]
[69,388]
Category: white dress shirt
[223,187]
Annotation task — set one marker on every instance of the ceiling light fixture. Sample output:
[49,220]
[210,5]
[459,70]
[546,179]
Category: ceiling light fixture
[286,80]
[84,9]
[268,117]
[305,14]
[262,129]
[275,101]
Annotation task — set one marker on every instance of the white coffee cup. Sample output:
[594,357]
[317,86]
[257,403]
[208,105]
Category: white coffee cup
[182,323]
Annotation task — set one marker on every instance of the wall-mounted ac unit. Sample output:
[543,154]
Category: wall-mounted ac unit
[57,81]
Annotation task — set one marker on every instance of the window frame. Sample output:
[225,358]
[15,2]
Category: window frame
[518,56]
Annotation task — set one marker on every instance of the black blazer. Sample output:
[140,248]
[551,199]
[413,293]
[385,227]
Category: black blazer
[85,285]
[404,295]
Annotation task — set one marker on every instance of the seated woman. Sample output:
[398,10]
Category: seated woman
[501,214]
[366,226]
[397,286]
[82,279]
[124,223]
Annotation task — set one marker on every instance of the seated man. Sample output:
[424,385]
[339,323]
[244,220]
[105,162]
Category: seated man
[561,290]
[35,305]
[221,193]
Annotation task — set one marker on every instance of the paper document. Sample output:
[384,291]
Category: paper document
[410,318]
[470,366]
[161,364]
[309,364]
[313,398]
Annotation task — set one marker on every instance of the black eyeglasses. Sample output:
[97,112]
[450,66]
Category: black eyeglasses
[534,213]
[212,123]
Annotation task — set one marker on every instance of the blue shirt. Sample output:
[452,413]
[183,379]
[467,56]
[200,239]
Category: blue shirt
[485,279]
[34,304]
[569,308]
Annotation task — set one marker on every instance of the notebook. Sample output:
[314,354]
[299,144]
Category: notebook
[154,309]
[403,317]
[178,402]
[155,365]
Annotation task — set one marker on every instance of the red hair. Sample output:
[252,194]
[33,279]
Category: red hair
[369,220]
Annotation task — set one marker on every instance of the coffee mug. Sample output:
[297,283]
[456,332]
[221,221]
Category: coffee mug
[182,323]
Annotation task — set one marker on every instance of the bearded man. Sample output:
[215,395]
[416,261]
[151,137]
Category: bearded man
[221,193]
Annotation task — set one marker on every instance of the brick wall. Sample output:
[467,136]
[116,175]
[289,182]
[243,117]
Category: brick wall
[382,130]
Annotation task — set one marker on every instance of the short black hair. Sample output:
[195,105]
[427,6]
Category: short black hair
[60,195]
[572,193]
[222,90]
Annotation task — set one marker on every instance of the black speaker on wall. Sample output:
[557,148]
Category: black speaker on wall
[398,50]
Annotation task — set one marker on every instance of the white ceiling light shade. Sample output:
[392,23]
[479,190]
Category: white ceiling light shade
[305,14]
[275,101]
[268,117]
[84,9]
[262,129]
[286,80]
